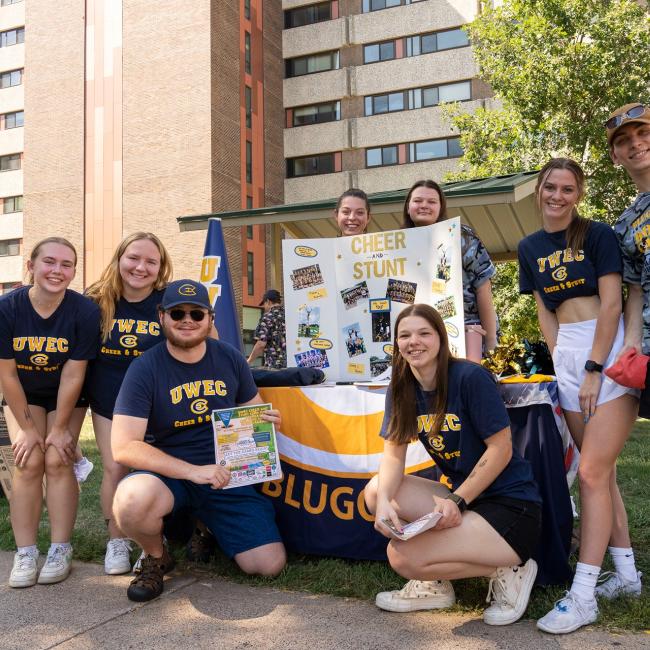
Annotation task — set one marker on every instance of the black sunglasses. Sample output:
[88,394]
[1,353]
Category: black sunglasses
[617,120]
[196,315]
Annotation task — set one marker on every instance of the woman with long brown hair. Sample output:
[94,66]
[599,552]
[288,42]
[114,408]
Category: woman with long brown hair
[491,516]
[573,267]
[47,335]
[128,294]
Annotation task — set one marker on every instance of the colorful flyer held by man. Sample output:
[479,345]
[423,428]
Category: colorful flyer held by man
[246,444]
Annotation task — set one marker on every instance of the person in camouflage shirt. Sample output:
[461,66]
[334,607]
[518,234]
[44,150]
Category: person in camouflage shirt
[270,337]
[628,136]
[424,205]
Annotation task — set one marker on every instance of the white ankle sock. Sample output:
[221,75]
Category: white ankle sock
[66,546]
[30,550]
[584,581]
[623,559]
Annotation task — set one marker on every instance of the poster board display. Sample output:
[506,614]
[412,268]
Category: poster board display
[342,296]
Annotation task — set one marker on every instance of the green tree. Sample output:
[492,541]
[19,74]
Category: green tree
[558,68]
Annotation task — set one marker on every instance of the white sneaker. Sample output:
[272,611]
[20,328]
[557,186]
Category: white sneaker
[611,585]
[23,573]
[569,614]
[82,469]
[509,592]
[418,594]
[56,567]
[118,556]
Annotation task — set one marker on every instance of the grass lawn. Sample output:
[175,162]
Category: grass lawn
[364,579]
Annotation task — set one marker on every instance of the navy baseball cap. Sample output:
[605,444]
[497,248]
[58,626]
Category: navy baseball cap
[185,292]
[271,294]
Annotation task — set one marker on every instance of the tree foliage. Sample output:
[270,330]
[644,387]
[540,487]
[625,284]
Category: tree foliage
[558,68]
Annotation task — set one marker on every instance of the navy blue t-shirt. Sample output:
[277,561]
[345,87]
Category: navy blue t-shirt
[41,346]
[547,266]
[178,398]
[475,411]
[136,328]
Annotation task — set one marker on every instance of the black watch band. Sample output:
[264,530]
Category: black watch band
[458,500]
[592,366]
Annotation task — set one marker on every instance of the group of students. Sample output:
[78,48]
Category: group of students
[491,516]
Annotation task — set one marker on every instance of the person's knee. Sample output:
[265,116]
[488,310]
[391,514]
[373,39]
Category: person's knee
[54,465]
[34,468]
[131,505]
[370,494]
[267,562]
[593,476]
[402,563]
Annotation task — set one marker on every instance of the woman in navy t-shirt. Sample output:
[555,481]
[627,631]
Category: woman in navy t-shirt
[128,294]
[425,204]
[491,517]
[573,268]
[47,335]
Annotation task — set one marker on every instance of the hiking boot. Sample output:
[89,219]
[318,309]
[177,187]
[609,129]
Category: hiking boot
[509,592]
[57,566]
[118,556]
[611,586]
[417,594]
[148,582]
[23,573]
[202,544]
[569,614]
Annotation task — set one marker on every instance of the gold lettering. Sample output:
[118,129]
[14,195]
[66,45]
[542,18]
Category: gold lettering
[288,496]
[348,512]
[306,498]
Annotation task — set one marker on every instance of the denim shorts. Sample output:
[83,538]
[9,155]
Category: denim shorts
[239,518]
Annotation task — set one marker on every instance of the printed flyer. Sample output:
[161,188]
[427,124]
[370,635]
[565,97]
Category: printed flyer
[342,296]
[247,444]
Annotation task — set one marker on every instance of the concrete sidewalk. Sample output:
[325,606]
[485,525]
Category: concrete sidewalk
[90,610]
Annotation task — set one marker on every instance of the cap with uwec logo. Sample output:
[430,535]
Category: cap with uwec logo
[185,292]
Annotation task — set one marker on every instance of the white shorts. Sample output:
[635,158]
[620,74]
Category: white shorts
[572,351]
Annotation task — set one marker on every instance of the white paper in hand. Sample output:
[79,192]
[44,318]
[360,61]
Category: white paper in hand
[415,527]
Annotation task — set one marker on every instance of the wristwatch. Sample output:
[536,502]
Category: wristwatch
[592,366]
[458,500]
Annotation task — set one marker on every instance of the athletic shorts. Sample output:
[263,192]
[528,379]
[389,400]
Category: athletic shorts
[49,403]
[518,522]
[572,351]
[239,518]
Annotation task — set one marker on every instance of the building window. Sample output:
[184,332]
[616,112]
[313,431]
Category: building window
[247,9]
[312,64]
[247,52]
[308,15]
[12,120]
[249,161]
[248,101]
[12,37]
[418,98]
[435,42]
[432,149]
[10,162]
[4,3]
[310,165]
[249,232]
[317,114]
[250,274]
[12,204]
[249,202]
[381,156]
[9,247]
[11,78]
[377,5]
[379,52]
[6,287]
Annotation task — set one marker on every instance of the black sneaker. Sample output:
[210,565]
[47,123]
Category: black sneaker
[202,544]
[148,582]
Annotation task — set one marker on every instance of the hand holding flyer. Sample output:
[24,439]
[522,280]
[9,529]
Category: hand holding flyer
[415,527]
[246,444]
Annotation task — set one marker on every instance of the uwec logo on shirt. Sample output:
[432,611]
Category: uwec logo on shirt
[128,340]
[556,264]
[39,359]
[437,441]
[40,344]
[196,392]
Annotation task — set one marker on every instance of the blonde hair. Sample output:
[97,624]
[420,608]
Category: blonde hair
[49,240]
[108,289]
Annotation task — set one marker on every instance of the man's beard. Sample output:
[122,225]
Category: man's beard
[181,342]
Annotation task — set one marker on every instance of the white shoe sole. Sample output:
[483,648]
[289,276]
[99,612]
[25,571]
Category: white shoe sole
[417,604]
[566,630]
[118,571]
[52,579]
[20,583]
[521,604]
